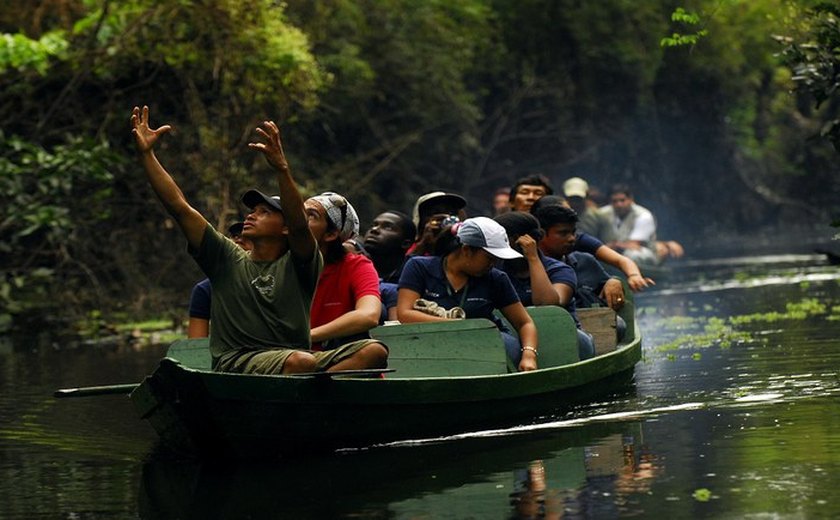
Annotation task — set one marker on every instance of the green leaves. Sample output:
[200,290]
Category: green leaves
[20,53]
[680,15]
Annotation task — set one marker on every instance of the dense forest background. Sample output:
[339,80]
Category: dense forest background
[720,114]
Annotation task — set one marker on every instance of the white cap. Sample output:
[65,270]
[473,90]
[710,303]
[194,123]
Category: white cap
[456,202]
[487,234]
[575,187]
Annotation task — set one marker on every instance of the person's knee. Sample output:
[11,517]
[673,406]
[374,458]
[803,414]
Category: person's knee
[298,362]
[586,345]
[375,355]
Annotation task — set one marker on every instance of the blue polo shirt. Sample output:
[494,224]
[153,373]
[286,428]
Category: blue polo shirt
[200,300]
[388,294]
[587,243]
[479,298]
[589,270]
[558,272]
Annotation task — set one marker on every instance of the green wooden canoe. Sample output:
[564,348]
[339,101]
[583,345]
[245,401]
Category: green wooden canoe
[448,378]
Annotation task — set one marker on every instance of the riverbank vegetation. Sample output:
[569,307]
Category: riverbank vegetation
[383,100]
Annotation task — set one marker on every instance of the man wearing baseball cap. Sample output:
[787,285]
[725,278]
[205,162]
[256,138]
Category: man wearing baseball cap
[590,220]
[429,213]
[260,311]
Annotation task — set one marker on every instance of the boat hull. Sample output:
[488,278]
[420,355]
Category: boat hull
[220,415]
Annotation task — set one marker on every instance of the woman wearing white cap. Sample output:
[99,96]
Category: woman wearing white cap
[462,274]
[346,304]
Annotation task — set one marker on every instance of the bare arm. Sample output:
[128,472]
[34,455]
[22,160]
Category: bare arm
[524,325]
[364,317]
[635,280]
[543,292]
[301,242]
[191,222]
[198,328]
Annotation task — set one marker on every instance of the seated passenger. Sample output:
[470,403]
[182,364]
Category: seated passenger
[198,325]
[595,287]
[590,220]
[386,243]
[539,279]
[528,190]
[587,243]
[501,201]
[346,303]
[462,275]
[260,321]
[431,213]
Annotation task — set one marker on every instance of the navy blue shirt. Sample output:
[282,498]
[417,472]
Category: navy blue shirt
[479,297]
[200,300]
[586,243]
[591,278]
[388,294]
[558,272]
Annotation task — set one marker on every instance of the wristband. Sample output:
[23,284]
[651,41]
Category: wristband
[532,349]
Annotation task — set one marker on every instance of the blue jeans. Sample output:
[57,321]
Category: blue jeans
[512,347]
[586,345]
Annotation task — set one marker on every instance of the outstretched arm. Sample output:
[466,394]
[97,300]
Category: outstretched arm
[635,280]
[301,241]
[191,222]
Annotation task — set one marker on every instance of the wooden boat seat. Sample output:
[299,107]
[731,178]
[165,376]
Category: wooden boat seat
[454,348]
[442,349]
[557,336]
[193,353]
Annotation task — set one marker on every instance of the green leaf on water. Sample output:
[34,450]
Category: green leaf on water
[702,495]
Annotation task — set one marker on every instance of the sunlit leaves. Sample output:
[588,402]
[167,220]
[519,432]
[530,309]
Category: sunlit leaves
[20,53]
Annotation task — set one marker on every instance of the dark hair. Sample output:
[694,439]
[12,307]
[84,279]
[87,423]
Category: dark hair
[447,241]
[504,190]
[621,188]
[548,200]
[553,215]
[518,223]
[335,249]
[536,179]
[407,227]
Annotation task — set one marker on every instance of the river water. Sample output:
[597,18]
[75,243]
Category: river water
[733,414]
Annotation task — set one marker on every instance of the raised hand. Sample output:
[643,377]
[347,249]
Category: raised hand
[144,136]
[528,245]
[272,148]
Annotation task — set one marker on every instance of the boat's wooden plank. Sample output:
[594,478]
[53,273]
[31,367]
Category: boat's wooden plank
[557,336]
[451,348]
[193,353]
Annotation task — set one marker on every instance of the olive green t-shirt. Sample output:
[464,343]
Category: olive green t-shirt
[256,305]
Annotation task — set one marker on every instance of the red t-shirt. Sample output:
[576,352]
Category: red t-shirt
[341,284]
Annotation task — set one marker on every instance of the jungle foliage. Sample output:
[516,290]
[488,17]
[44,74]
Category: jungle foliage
[383,100]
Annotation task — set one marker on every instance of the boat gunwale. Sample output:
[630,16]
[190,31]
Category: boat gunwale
[620,350]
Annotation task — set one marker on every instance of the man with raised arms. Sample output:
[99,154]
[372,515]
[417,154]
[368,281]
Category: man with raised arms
[260,308]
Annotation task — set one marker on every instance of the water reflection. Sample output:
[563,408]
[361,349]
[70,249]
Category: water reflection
[591,470]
